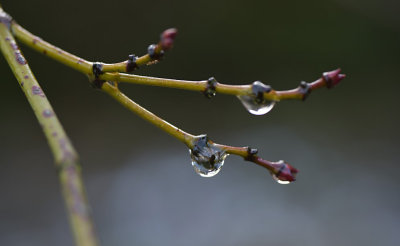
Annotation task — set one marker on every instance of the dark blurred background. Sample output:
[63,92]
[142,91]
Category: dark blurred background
[140,182]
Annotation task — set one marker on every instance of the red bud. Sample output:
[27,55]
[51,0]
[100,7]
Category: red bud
[333,78]
[281,171]
[167,38]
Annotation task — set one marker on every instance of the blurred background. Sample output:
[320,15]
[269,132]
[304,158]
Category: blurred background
[140,182]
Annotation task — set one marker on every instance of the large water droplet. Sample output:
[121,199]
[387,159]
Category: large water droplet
[255,106]
[207,159]
[255,102]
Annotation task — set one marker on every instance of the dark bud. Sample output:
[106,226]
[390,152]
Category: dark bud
[167,38]
[151,50]
[210,91]
[304,89]
[97,83]
[97,69]
[252,151]
[333,78]
[251,154]
[131,65]
[258,89]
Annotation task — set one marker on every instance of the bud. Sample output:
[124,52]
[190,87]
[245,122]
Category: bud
[281,171]
[167,38]
[333,78]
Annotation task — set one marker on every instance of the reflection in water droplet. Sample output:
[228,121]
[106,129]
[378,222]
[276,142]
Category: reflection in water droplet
[280,181]
[256,107]
[207,159]
[283,173]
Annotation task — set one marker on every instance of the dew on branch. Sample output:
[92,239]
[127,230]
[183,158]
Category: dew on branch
[207,158]
[255,102]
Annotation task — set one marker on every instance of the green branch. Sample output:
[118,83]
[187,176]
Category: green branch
[115,72]
[257,97]
[65,156]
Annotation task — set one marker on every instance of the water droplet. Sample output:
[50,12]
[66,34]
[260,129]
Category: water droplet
[256,107]
[207,159]
[283,173]
[255,102]
[280,181]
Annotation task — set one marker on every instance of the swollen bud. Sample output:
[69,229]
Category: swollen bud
[333,78]
[167,38]
[283,173]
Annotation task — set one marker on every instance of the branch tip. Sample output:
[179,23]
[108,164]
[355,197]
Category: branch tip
[333,78]
[167,38]
[280,170]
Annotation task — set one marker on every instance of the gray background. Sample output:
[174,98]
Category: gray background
[141,186]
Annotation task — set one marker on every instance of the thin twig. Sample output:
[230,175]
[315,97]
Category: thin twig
[107,76]
[113,72]
[179,134]
[66,158]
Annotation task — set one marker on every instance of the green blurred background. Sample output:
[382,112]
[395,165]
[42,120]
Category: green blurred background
[141,185]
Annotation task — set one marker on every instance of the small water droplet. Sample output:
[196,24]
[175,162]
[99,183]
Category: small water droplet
[256,107]
[280,181]
[207,159]
[283,173]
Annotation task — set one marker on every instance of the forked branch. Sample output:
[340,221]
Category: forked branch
[257,97]
[207,156]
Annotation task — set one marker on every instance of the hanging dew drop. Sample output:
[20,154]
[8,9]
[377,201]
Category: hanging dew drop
[206,168]
[255,102]
[207,159]
[283,173]
[254,107]
[280,181]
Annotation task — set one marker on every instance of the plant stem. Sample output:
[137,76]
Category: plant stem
[65,156]
[174,83]
[114,92]
[106,77]
[113,72]
[50,50]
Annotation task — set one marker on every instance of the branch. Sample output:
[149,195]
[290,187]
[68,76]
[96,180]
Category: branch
[207,157]
[66,158]
[256,93]
[210,87]
[155,52]
[112,89]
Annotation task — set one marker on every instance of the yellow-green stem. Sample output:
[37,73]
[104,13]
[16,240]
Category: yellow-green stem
[114,92]
[174,83]
[66,159]
[114,71]
[50,50]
